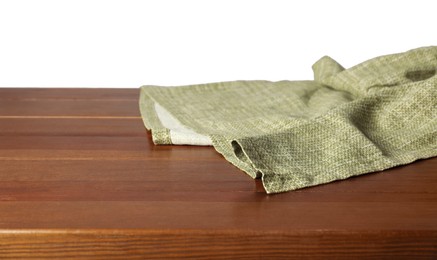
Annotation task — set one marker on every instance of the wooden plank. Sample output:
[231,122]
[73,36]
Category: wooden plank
[97,148]
[119,170]
[203,181]
[192,190]
[260,215]
[187,190]
[73,143]
[219,244]
[68,108]
[72,126]
[31,94]
[411,178]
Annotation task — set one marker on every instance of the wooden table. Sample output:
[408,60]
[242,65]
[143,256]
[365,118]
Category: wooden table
[80,177]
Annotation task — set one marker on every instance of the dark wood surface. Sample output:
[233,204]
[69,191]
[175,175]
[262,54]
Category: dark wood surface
[80,178]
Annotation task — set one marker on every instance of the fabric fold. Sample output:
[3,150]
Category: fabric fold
[295,134]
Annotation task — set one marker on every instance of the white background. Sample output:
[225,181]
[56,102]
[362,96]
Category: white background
[86,43]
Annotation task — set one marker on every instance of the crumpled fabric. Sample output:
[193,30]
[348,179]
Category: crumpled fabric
[295,134]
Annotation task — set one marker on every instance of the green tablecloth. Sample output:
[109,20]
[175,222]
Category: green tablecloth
[294,134]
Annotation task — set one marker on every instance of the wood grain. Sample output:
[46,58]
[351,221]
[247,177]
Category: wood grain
[211,215]
[68,108]
[97,148]
[80,178]
[69,94]
[217,244]
[68,126]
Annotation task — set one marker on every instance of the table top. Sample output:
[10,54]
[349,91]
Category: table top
[80,177]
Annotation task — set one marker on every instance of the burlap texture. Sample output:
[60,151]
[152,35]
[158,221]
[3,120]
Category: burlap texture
[294,134]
